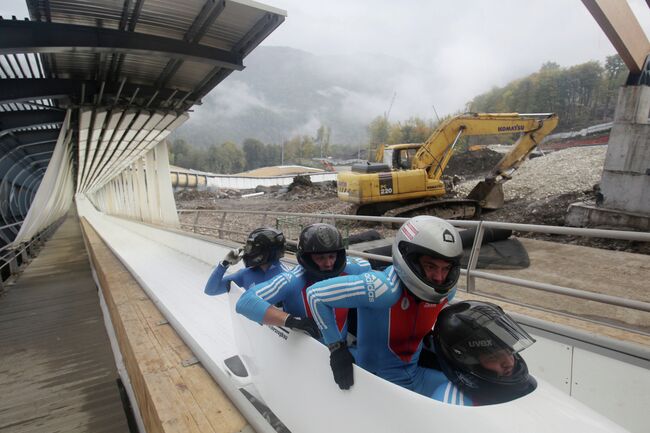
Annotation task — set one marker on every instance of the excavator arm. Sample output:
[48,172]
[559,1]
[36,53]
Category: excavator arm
[436,152]
[489,192]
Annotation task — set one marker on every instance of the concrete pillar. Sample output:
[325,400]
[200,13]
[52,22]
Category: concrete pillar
[152,188]
[625,182]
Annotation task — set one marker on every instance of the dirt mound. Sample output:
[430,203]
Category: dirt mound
[192,194]
[302,188]
[301,181]
[205,199]
[565,171]
[473,164]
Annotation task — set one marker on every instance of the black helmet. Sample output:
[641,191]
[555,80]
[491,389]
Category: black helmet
[467,335]
[320,238]
[264,245]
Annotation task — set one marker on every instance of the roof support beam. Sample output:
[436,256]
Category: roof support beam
[209,12]
[16,90]
[216,76]
[262,28]
[24,119]
[40,37]
[26,137]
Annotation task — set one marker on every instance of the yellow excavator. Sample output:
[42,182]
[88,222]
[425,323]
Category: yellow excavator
[408,179]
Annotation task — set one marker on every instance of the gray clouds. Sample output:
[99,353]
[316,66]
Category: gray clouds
[464,47]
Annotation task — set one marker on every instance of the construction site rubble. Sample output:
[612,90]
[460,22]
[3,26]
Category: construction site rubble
[539,193]
[570,170]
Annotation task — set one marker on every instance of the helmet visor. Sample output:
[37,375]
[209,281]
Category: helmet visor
[492,334]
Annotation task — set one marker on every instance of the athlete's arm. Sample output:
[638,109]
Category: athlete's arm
[256,301]
[369,290]
[356,266]
[217,283]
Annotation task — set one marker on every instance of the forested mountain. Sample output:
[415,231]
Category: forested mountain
[581,95]
[290,106]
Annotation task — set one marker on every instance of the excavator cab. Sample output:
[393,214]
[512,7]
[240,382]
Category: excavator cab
[403,158]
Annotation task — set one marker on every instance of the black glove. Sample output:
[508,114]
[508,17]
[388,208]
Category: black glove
[308,325]
[341,361]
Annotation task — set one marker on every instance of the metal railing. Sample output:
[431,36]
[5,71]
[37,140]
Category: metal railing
[14,256]
[11,225]
[471,273]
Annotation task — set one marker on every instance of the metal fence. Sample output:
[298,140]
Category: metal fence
[471,272]
[13,257]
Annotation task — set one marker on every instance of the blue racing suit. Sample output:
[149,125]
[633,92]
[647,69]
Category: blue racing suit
[451,394]
[290,289]
[391,324]
[244,278]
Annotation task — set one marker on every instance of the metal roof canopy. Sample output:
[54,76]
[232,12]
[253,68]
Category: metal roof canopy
[128,69]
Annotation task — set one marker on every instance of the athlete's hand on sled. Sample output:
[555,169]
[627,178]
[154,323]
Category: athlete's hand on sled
[307,325]
[233,257]
[341,361]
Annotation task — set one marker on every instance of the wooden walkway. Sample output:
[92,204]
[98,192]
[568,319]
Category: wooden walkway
[174,396]
[57,371]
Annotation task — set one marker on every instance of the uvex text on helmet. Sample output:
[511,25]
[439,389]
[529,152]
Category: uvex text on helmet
[468,331]
[264,245]
[320,238]
[427,236]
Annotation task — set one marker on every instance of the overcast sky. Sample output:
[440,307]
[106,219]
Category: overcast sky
[468,46]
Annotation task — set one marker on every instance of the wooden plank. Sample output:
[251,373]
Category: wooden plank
[623,30]
[171,398]
[57,370]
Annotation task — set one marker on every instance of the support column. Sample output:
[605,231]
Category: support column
[625,182]
[152,188]
[166,193]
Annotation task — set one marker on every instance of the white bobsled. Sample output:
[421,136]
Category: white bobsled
[291,374]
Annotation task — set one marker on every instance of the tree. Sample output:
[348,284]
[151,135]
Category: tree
[272,154]
[378,131]
[231,158]
[323,140]
[184,155]
[254,154]
[580,95]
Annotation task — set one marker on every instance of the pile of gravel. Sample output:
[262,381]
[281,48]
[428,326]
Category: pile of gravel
[564,171]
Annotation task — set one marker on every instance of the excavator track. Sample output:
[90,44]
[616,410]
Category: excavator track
[445,208]
[442,208]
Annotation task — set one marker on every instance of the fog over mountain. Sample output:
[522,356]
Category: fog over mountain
[285,92]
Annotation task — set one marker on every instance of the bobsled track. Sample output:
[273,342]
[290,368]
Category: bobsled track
[609,376]
[104,326]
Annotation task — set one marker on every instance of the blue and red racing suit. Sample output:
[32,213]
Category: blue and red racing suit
[244,278]
[391,324]
[290,289]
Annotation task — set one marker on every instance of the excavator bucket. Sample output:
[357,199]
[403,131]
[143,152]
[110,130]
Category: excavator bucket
[488,194]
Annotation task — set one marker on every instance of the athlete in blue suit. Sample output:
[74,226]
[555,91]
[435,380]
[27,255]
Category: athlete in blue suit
[320,255]
[261,253]
[396,308]
[478,347]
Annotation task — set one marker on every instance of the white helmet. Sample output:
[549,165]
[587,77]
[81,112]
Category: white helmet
[427,236]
